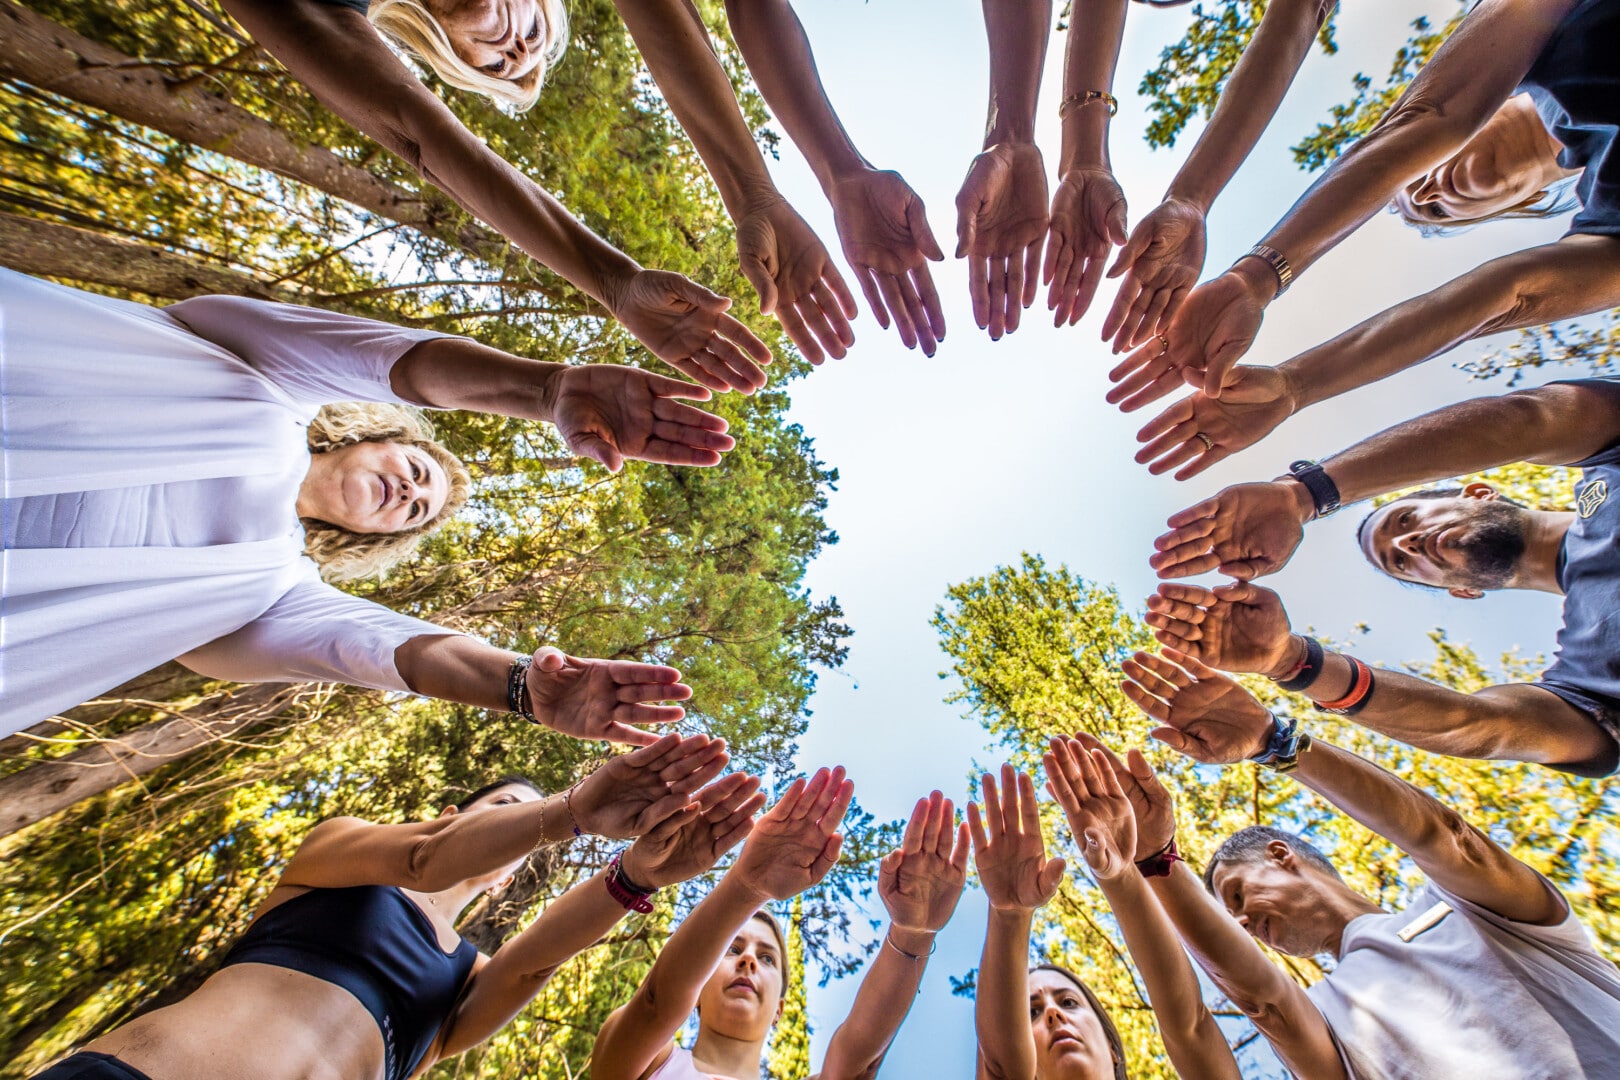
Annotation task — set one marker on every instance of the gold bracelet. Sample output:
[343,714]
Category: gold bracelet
[1085,97]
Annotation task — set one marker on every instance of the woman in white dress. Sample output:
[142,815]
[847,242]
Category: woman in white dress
[164,498]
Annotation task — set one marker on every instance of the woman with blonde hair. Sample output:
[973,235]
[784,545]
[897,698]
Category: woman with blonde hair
[178,483]
[341,50]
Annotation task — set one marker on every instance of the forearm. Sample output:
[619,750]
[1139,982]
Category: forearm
[774,45]
[1563,280]
[1018,31]
[457,373]
[452,667]
[1090,56]
[1001,1003]
[348,67]
[880,1005]
[1191,1037]
[675,44]
[1250,99]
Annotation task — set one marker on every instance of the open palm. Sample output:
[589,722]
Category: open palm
[797,841]
[1008,850]
[634,792]
[609,413]
[1204,714]
[921,880]
[714,821]
[603,699]
[686,326]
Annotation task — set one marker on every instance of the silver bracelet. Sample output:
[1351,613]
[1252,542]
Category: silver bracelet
[1278,263]
[933,944]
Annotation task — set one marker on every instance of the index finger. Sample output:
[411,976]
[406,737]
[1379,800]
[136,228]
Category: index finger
[629,672]
[663,386]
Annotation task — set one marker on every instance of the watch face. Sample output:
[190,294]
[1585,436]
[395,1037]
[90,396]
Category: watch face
[1300,465]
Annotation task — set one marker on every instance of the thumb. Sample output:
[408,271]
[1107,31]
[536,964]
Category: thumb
[1116,223]
[1172,738]
[964,230]
[549,658]
[706,298]
[1052,875]
[599,449]
[1133,249]
[917,221]
[759,277]
[889,866]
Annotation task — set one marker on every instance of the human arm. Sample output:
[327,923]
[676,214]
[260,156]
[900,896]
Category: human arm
[880,220]
[1276,1004]
[790,849]
[920,883]
[346,64]
[779,254]
[1017,877]
[685,844]
[1088,207]
[1165,253]
[629,795]
[1001,209]
[1574,276]
[1084,784]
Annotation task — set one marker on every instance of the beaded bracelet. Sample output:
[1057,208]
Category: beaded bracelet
[517,688]
[568,804]
[619,886]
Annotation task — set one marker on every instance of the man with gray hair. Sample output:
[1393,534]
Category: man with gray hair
[1485,975]
[1467,540]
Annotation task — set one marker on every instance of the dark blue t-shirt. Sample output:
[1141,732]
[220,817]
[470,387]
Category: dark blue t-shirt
[1586,670]
[1576,86]
[359,5]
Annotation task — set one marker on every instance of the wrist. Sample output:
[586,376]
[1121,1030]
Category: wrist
[839,168]
[1085,141]
[1187,194]
[1289,660]
[913,941]
[737,886]
[612,281]
[1008,131]
[1257,277]
[1300,499]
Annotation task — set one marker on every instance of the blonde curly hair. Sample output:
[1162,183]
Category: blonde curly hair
[409,25]
[343,555]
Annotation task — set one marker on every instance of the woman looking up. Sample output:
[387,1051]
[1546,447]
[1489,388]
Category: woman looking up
[1455,143]
[352,966]
[727,959]
[174,490]
[501,48]
[1045,1023]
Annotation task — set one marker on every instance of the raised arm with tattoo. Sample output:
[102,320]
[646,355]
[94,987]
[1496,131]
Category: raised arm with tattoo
[920,883]
[1001,210]
[881,222]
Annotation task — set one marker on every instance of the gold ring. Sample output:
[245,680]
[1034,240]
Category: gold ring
[1164,344]
[1209,443]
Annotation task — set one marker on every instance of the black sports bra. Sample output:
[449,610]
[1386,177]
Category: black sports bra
[374,942]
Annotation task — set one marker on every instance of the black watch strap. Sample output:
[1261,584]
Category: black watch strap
[1324,492]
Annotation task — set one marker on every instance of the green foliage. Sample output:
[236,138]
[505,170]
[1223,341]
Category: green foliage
[1540,487]
[1036,652]
[126,902]
[1193,72]
[1591,342]
[789,1052]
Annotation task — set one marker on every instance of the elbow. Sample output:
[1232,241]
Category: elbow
[424,871]
[1448,837]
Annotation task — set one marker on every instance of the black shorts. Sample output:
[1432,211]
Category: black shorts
[84,1066]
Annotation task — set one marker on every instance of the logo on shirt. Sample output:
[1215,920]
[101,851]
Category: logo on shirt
[1591,497]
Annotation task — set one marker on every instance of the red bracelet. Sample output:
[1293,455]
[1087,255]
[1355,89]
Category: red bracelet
[619,887]
[1158,865]
[1360,686]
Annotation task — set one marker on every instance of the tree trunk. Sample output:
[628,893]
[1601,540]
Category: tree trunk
[41,247]
[35,50]
[50,787]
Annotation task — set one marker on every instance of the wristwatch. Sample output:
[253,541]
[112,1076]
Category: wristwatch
[1324,492]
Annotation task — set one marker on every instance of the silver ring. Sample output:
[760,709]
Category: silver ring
[1209,443]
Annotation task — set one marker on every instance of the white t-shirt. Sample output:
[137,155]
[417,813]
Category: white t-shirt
[1471,995]
[680,1066]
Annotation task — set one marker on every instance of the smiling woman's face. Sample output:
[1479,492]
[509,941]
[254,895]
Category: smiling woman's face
[1070,1043]
[502,38]
[740,999]
[374,487]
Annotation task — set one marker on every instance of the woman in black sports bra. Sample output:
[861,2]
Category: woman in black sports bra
[352,967]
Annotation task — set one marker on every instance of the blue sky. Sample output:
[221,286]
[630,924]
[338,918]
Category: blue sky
[953,466]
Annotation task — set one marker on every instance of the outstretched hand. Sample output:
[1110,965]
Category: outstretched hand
[797,841]
[608,413]
[1244,531]
[686,326]
[1205,715]
[1254,402]
[1150,800]
[796,279]
[921,880]
[1234,627]
[602,699]
[1214,328]
[1093,800]
[1087,222]
[634,792]
[884,230]
[1161,262]
[1001,219]
[691,841]
[1011,857]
